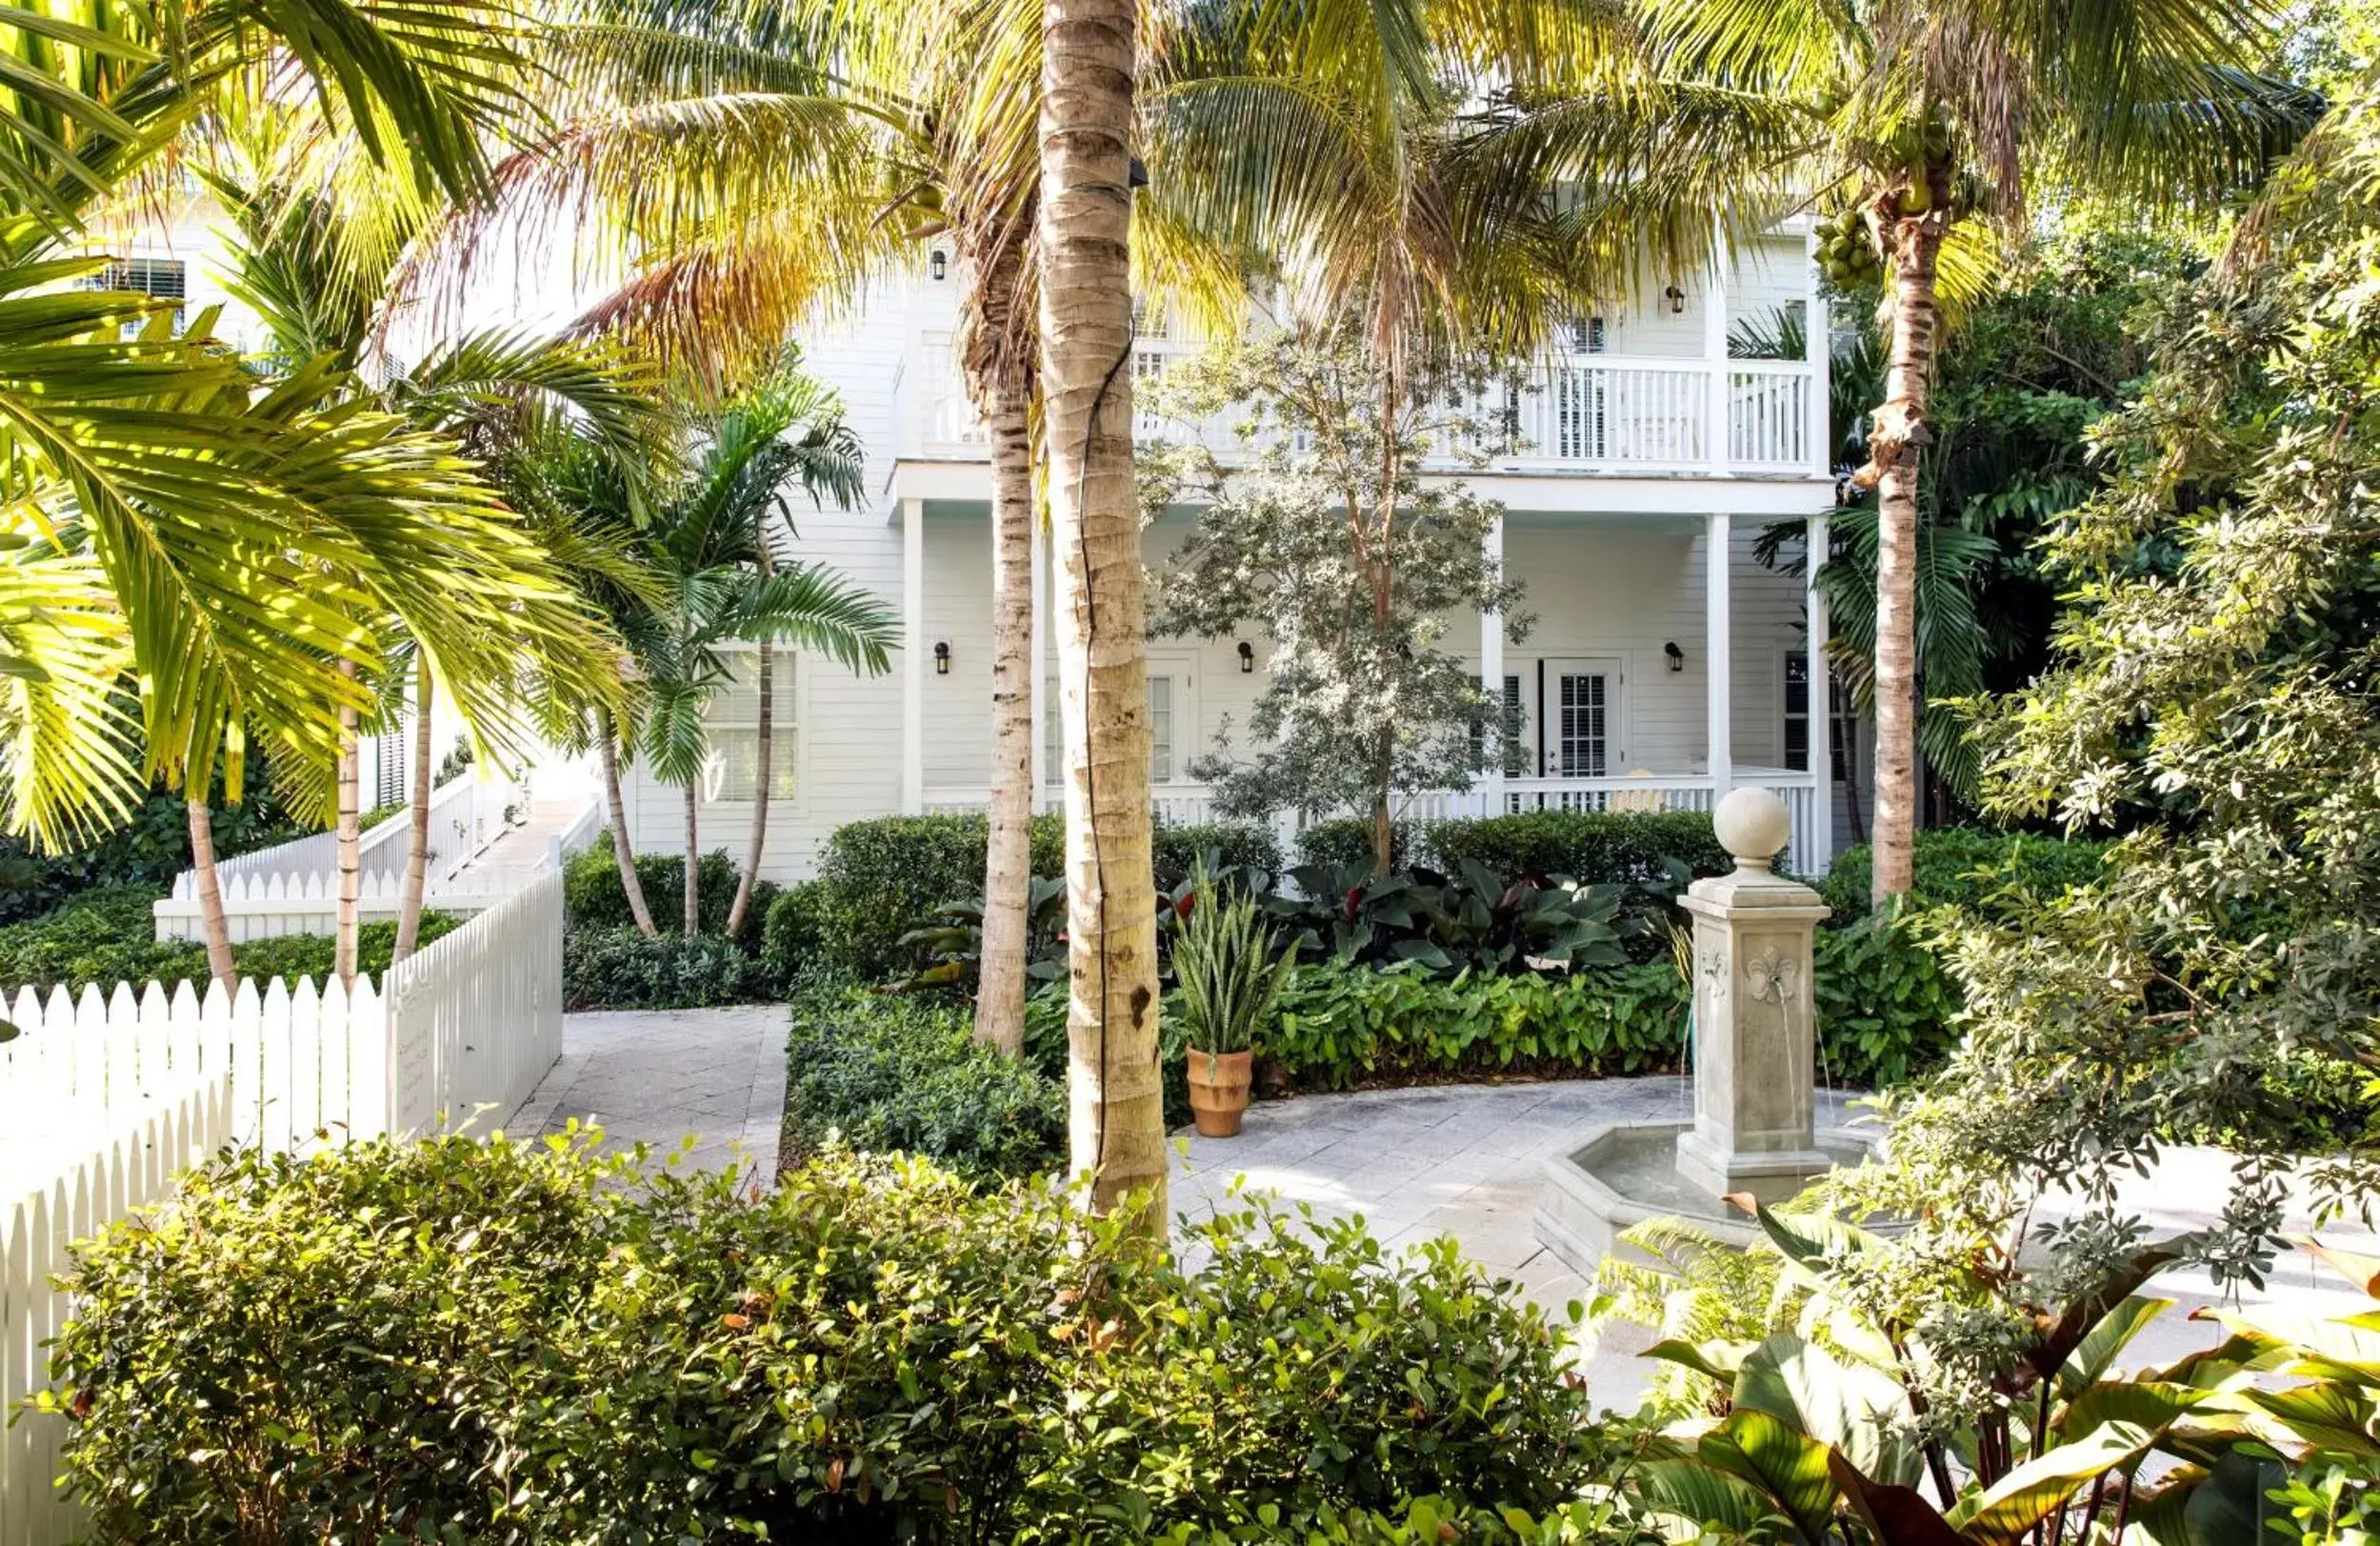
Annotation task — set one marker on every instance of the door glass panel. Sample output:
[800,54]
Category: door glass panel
[1582,725]
[1161,729]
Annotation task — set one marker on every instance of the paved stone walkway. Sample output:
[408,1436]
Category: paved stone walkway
[716,1076]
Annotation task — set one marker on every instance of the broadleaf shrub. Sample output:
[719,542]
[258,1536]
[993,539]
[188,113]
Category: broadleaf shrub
[1177,848]
[469,1341]
[1885,1001]
[1339,1025]
[107,935]
[793,930]
[621,968]
[1346,841]
[898,1071]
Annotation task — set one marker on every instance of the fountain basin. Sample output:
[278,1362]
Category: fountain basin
[1626,1173]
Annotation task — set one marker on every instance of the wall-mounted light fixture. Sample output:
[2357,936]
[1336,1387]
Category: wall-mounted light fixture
[1676,655]
[938,264]
[942,659]
[1248,658]
[1675,297]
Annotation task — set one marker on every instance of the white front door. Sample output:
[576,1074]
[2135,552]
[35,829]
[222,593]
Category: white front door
[1579,724]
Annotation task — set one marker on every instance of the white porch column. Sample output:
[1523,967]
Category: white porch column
[1818,349]
[1714,349]
[1821,715]
[1040,663]
[1491,673]
[914,656]
[1719,645]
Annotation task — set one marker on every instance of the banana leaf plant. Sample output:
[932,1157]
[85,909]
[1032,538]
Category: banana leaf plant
[1822,1441]
[1473,919]
[953,947]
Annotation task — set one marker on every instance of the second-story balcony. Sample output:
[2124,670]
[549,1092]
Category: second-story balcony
[1568,414]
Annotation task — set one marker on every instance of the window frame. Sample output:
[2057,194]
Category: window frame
[789,745]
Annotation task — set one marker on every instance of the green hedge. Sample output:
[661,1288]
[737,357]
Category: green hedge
[623,969]
[1348,840]
[594,898]
[1885,1001]
[1995,873]
[896,1072]
[461,1341]
[1596,847]
[107,935]
[882,878]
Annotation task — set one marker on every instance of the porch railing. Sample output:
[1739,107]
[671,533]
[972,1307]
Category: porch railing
[1183,804]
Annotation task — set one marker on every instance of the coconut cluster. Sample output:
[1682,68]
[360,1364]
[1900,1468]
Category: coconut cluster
[1847,253]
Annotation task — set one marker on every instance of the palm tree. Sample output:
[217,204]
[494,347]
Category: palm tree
[198,501]
[1922,119]
[1117,1125]
[320,276]
[704,541]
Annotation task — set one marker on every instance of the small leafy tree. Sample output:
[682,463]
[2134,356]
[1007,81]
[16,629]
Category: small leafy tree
[1329,537]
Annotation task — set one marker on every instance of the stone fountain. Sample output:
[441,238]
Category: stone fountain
[1754,1044]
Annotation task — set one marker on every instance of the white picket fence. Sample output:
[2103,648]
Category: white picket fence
[86,1189]
[473,1020]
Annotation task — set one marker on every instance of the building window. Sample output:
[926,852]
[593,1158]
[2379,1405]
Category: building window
[733,719]
[1582,725]
[166,279]
[1515,733]
[1586,335]
[1797,719]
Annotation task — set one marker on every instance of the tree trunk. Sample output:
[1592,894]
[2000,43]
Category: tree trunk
[212,923]
[607,739]
[694,895]
[351,840]
[417,847]
[1116,1118]
[1009,857]
[763,723]
[1894,448]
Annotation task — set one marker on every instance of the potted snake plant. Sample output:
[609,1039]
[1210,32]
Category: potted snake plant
[1230,982]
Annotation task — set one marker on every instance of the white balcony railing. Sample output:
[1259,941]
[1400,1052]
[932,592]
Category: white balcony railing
[1588,414]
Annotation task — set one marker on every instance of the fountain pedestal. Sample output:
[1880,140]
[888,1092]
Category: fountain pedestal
[1754,1050]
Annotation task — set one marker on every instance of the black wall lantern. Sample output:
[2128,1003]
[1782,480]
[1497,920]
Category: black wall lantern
[1675,297]
[1677,657]
[938,264]
[1248,658]
[942,659]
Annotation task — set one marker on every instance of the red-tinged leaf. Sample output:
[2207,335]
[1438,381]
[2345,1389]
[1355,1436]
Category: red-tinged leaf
[1898,1516]
[834,1474]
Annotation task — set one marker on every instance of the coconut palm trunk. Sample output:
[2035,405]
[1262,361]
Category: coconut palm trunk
[763,724]
[351,840]
[213,922]
[1116,1117]
[1894,448]
[607,741]
[1008,860]
[417,844]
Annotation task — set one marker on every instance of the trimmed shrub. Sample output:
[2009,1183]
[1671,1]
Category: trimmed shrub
[1242,844]
[1593,847]
[1884,1001]
[793,930]
[1341,1025]
[107,935]
[479,1342]
[1348,840]
[592,896]
[1996,875]
[621,969]
[883,877]
[895,1072]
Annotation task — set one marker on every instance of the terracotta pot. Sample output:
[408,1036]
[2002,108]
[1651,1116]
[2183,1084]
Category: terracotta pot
[1218,1091]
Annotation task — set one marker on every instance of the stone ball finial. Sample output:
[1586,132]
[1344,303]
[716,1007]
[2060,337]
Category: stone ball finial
[1754,825]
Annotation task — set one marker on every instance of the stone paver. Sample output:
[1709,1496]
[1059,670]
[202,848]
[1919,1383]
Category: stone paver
[1468,1161]
[716,1076]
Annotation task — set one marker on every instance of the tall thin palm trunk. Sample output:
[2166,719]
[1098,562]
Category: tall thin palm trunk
[1894,448]
[1116,1117]
[607,741]
[763,724]
[417,843]
[694,895]
[213,923]
[351,841]
[1009,855]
